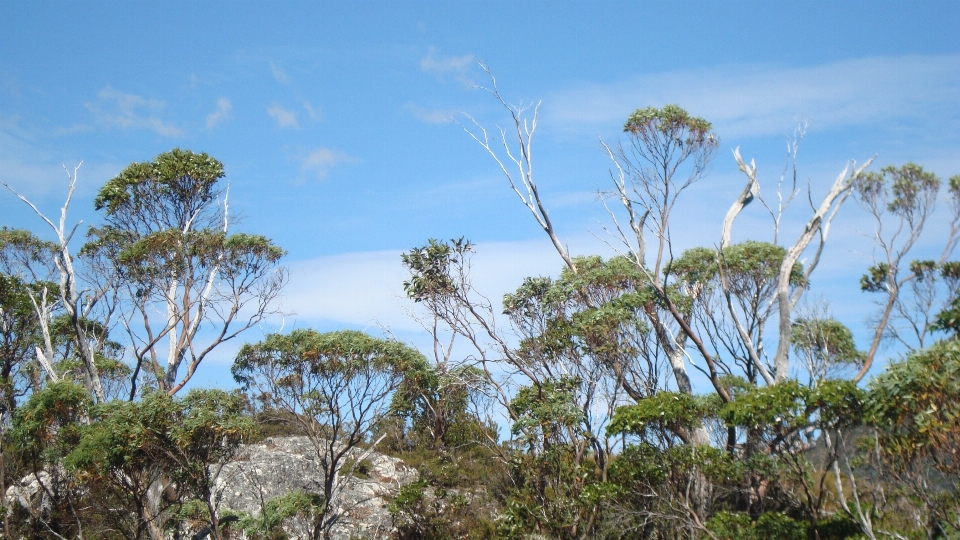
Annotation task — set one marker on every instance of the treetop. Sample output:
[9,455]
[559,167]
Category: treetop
[669,119]
[175,175]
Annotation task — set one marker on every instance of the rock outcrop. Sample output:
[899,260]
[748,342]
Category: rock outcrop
[281,465]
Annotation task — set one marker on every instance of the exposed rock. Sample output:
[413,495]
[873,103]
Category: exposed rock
[28,492]
[281,465]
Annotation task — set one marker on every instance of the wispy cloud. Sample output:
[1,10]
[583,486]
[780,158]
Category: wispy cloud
[757,100]
[313,113]
[116,109]
[321,160]
[283,117]
[223,112]
[75,128]
[441,65]
[279,74]
[429,116]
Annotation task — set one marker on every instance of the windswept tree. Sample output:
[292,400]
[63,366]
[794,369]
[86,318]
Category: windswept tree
[901,200]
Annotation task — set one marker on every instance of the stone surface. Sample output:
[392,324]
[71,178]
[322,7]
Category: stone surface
[28,492]
[280,465]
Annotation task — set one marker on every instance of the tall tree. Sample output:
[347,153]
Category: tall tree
[901,200]
[168,246]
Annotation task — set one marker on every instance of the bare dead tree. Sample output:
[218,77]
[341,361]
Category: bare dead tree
[520,159]
[71,296]
[818,226]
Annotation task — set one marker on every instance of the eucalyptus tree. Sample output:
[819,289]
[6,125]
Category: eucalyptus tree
[178,444]
[712,303]
[914,407]
[901,200]
[335,388]
[168,246]
[19,336]
[167,269]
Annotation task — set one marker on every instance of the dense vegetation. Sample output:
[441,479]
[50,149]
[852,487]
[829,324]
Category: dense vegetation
[654,394]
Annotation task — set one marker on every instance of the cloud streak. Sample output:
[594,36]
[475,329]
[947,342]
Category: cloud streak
[284,118]
[279,74]
[120,110]
[223,112]
[443,66]
[320,161]
[429,116]
[759,100]
[313,113]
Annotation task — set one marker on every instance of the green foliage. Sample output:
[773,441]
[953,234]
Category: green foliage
[909,183]
[734,526]
[789,406]
[422,513]
[828,339]
[695,266]
[838,403]
[914,405]
[279,511]
[178,178]
[552,493]
[307,353]
[597,312]
[748,265]
[543,410]
[876,279]
[839,527]
[669,411]
[948,320]
[124,436]
[409,496]
[435,403]
[647,465]
[906,190]
[48,425]
[20,250]
[19,334]
[431,268]
[210,426]
[779,405]
[130,446]
[672,121]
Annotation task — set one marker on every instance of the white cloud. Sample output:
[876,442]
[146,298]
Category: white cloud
[443,65]
[283,117]
[757,100]
[279,74]
[116,109]
[312,113]
[223,112]
[430,116]
[321,160]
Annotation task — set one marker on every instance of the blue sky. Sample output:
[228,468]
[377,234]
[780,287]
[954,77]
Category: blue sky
[332,120]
